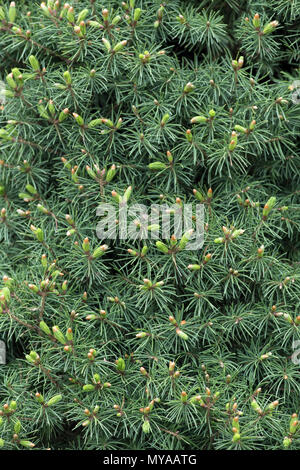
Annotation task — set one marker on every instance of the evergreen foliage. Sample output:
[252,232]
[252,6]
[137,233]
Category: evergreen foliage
[122,344]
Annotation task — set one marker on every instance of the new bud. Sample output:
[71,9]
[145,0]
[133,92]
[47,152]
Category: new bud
[256,20]
[86,245]
[54,400]
[12,12]
[181,334]
[199,120]
[189,87]
[100,251]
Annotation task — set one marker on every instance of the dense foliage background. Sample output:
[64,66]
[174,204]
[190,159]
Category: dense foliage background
[141,344]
